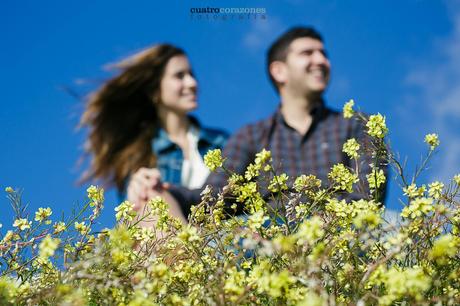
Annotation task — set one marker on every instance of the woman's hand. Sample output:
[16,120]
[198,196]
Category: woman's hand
[144,185]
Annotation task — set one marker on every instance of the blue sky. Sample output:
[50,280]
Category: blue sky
[399,58]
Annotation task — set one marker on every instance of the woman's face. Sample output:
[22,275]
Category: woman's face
[178,87]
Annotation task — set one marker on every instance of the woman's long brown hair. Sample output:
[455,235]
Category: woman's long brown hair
[122,118]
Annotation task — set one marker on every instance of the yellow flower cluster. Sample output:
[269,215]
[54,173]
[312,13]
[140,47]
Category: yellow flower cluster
[351,148]
[9,189]
[306,183]
[342,178]
[42,214]
[278,183]
[432,140]
[274,284]
[376,178]
[59,227]
[9,236]
[125,211]
[348,111]
[82,228]
[417,208]
[213,159]
[263,157]
[435,189]
[189,235]
[376,126]
[310,231]
[457,179]
[260,163]
[234,283]
[413,192]
[444,247]
[22,223]
[48,246]
[95,194]
[399,284]
[360,213]
[256,220]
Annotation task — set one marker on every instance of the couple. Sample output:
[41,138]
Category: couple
[144,142]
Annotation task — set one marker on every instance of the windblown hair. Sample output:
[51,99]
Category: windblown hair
[279,49]
[122,118]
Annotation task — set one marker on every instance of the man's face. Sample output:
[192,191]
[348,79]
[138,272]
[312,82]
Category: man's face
[307,67]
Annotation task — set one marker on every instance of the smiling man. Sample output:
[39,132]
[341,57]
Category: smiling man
[303,135]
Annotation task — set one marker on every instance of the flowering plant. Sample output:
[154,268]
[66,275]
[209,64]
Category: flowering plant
[304,246]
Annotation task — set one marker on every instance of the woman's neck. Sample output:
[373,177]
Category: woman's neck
[176,125]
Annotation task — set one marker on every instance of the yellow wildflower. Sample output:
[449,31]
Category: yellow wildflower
[59,227]
[417,208]
[252,171]
[348,111]
[234,283]
[402,283]
[42,214]
[81,227]
[351,147]
[310,231]
[9,189]
[278,183]
[367,217]
[189,234]
[432,140]
[125,211]
[256,220]
[22,223]
[412,191]
[48,246]
[376,126]
[342,177]
[95,194]
[213,159]
[306,182]
[435,189]
[446,246]
[457,179]
[263,157]
[376,178]
[8,236]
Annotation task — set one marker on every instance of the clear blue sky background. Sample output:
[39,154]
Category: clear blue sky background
[399,58]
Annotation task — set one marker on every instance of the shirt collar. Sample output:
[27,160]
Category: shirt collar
[162,142]
[317,112]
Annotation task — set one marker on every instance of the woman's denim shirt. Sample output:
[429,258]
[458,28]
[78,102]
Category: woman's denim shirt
[169,155]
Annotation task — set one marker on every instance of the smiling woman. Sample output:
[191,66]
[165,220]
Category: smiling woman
[140,132]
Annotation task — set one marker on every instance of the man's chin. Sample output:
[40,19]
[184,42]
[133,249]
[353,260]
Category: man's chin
[318,90]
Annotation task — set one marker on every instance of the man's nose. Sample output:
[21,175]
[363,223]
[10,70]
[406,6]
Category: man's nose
[320,58]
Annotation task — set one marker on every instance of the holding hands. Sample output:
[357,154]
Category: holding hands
[146,184]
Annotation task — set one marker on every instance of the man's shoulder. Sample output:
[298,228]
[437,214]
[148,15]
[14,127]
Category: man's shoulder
[330,113]
[256,128]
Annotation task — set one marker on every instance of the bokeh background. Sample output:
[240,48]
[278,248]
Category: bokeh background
[399,58]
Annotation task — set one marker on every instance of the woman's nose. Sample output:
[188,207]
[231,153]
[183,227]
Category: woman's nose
[190,81]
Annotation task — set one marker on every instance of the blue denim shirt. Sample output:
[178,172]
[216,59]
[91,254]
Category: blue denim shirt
[170,157]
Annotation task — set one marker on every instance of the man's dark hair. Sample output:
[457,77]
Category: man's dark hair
[278,51]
